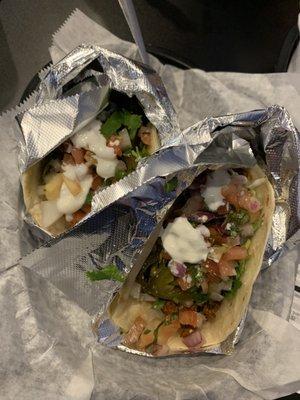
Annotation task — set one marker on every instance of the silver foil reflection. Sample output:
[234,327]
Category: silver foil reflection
[73,91]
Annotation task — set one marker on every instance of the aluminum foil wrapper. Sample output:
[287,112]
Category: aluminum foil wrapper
[124,233]
[73,92]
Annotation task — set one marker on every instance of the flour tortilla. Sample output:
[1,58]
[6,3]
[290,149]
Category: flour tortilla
[31,179]
[231,311]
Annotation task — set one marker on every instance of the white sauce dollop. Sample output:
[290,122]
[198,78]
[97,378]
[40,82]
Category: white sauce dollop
[90,138]
[67,203]
[212,192]
[183,242]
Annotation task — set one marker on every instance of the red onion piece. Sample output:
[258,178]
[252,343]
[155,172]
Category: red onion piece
[254,205]
[177,269]
[193,340]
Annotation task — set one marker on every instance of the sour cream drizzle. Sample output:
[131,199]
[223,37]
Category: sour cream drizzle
[90,138]
[212,192]
[183,242]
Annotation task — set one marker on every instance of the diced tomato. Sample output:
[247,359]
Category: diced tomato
[68,159]
[212,268]
[114,142]
[185,283]
[235,253]
[241,197]
[166,331]
[86,208]
[169,308]
[188,317]
[77,216]
[78,155]
[97,182]
[134,333]
[226,268]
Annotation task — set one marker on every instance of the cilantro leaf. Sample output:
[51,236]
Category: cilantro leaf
[88,199]
[171,185]
[237,282]
[158,304]
[112,124]
[110,272]
[132,123]
[137,153]
[120,174]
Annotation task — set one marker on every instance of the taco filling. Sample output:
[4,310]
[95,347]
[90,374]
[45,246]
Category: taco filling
[58,191]
[206,254]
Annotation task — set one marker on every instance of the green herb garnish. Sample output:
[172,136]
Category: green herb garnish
[137,153]
[89,198]
[171,185]
[120,174]
[110,272]
[147,331]
[132,123]
[158,304]
[236,282]
[112,124]
[121,118]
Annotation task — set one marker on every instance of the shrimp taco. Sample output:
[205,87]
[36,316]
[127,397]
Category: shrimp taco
[194,288]
[58,190]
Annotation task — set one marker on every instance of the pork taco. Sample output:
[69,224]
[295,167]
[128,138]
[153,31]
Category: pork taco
[194,288]
[58,190]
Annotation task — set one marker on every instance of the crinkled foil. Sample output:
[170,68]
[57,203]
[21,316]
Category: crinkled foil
[66,101]
[72,93]
[124,232]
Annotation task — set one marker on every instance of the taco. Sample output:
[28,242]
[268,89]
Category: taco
[58,190]
[194,287]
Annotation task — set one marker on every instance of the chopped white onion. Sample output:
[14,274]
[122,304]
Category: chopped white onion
[216,296]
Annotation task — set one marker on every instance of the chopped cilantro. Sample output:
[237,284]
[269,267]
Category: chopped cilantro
[236,282]
[171,185]
[137,153]
[112,124]
[110,272]
[158,304]
[198,296]
[147,331]
[196,273]
[132,122]
[89,198]
[120,174]
[121,118]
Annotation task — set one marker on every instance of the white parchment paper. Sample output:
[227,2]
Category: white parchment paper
[46,345]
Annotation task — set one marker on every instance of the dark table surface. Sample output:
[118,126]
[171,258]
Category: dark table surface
[214,35]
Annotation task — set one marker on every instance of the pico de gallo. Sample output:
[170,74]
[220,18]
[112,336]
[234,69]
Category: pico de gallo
[103,152]
[198,261]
